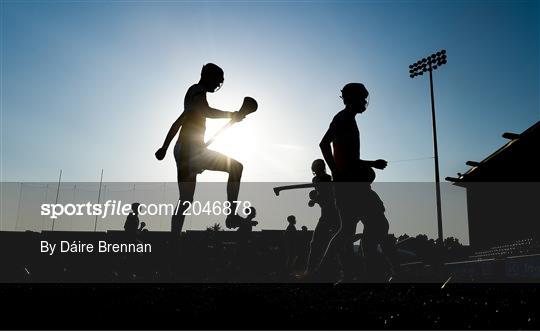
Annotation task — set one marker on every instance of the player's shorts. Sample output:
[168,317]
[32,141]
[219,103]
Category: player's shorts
[358,201]
[192,160]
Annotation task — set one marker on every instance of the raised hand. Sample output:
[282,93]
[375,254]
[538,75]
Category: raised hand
[160,153]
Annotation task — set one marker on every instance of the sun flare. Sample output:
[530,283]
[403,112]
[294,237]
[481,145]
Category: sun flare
[239,141]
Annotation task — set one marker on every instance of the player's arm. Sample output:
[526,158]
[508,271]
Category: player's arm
[160,153]
[200,103]
[214,113]
[379,163]
[326,149]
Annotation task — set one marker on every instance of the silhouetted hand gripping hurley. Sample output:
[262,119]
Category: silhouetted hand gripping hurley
[248,106]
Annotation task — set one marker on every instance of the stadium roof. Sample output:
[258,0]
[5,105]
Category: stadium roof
[514,161]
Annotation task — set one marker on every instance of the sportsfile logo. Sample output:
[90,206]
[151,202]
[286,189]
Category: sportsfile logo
[109,208]
[116,208]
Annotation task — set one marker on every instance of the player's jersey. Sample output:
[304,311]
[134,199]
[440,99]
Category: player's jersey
[345,139]
[324,188]
[194,125]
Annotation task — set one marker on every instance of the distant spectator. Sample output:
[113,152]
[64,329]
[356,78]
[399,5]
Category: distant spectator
[247,225]
[132,221]
[292,222]
[290,237]
[132,225]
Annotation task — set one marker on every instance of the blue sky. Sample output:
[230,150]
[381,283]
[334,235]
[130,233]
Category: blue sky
[91,85]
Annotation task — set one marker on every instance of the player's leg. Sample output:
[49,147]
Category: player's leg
[375,235]
[345,250]
[389,249]
[378,236]
[340,243]
[187,181]
[319,241]
[186,187]
[314,248]
[215,161]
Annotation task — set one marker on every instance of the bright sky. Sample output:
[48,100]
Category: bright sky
[91,85]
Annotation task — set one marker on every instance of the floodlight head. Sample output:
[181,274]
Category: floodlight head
[428,64]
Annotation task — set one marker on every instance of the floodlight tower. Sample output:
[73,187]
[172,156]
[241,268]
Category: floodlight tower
[429,64]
